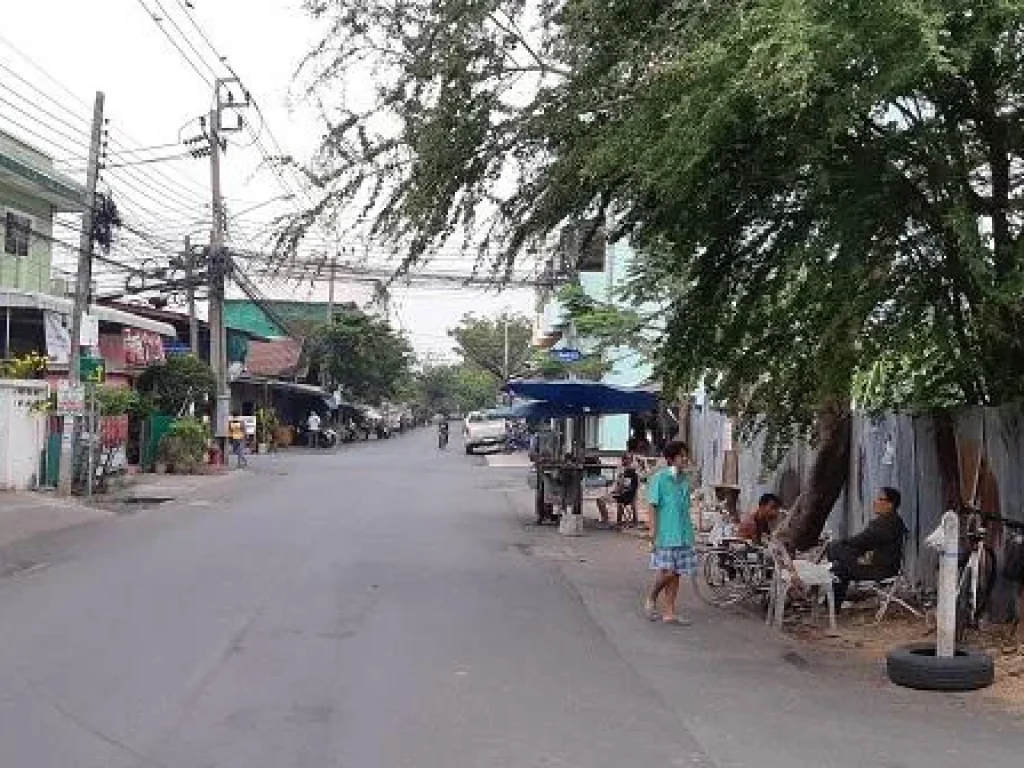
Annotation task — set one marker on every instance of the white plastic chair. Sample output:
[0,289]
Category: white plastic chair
[812,575]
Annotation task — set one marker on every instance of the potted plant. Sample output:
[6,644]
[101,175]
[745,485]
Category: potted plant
[266,425]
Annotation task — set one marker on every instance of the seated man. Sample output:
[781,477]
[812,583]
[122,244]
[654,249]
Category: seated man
[762,522]
[623,491]
[875,553]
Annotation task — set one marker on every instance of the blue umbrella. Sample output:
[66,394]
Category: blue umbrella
[574,398]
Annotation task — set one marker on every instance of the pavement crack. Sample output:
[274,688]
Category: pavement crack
[92,730]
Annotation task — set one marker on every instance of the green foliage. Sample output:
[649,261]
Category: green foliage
[120,401]
[455,388]
[361,355]
[819,191]
[184,446]
[29,366]
[177,383]
[267,422]
[480,341]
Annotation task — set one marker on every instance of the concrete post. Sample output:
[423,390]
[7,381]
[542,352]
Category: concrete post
[946,610]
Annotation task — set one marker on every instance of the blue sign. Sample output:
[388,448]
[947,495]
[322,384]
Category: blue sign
[566,355]
[172,348]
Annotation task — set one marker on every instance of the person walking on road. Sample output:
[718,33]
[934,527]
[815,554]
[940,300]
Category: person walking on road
[672,549]
[313,428]
[236,434]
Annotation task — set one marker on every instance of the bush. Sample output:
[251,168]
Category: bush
[183,448]
[30,366]
[119,401]
[180,381]
[267,423]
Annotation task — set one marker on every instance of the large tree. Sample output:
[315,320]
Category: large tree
[361,355]
[499,345]
[825,194]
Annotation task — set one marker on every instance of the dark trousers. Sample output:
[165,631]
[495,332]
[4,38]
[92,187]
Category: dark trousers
[846,568]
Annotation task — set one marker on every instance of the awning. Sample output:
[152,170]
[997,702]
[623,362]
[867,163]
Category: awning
[574,398]
[44,302]
[311,390]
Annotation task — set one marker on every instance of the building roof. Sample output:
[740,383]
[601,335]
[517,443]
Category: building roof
[31,172]
[172,317]
[280,357]
[303,315]
[30,300]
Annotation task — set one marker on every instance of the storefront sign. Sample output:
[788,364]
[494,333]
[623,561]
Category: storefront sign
[70,400]
[142,348]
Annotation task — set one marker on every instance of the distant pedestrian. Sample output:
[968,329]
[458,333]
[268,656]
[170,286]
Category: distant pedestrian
[313,429]
[236,434]
[672,552]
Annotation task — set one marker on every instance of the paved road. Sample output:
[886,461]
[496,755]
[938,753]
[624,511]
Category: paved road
[384,607]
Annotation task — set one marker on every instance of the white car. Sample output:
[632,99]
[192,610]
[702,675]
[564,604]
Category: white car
[480,430]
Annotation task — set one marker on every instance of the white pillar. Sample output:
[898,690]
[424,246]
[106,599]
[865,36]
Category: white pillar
[948,558]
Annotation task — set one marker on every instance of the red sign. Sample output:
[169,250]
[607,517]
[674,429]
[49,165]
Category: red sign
[142,348]
[114,431]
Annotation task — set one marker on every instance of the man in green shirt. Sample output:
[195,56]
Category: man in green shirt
[672,553]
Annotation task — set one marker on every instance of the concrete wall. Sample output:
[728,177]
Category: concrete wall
[31,273]
[22,433]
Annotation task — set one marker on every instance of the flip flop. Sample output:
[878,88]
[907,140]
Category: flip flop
[650,610]
[679,621]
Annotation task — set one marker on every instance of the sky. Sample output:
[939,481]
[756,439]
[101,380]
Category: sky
[154,97]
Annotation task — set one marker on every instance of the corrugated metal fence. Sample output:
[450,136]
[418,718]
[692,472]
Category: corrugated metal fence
[892,450]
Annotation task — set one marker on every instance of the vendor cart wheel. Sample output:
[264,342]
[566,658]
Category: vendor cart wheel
[917,666]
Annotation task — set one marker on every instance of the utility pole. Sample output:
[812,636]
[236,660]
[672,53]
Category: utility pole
[218,334]
[83,284]
[190,271]
[505,369]
[330,288]
[218,260]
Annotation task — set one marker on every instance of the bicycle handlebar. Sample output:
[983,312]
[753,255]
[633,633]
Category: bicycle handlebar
[967,510]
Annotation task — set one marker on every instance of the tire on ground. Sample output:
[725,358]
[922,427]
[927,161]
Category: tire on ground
[917,666]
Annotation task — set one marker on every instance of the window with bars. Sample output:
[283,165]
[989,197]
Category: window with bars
[17,232]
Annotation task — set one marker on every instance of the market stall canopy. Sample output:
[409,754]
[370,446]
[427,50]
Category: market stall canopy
[573,398]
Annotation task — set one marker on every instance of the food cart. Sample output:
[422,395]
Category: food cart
[560,463]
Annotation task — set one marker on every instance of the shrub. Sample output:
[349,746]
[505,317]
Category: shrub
[183,448]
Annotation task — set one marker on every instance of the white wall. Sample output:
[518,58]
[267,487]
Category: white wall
[22,433]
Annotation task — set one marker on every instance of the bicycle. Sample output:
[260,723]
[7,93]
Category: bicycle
[977,572]
[732,572]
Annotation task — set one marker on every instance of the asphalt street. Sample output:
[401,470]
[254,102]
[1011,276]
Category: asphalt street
[386,606]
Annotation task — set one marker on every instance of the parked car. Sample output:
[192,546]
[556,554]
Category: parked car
[480,430]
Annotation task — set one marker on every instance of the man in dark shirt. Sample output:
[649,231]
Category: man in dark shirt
[875,553]
[623,492]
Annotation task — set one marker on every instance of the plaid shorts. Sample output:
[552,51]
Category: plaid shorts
[680,560]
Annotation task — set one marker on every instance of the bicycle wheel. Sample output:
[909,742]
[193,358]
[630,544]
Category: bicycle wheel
[721,579]
[964,604]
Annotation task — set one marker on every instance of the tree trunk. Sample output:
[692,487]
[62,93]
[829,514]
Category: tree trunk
[949,460]
[829,476]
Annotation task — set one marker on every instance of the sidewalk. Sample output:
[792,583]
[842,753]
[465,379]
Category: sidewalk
[729,673]
[26,514]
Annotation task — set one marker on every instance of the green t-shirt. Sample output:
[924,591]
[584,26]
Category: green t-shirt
[671,495]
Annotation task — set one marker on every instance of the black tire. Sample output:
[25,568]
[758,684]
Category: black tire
[469,450]
[916,666]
